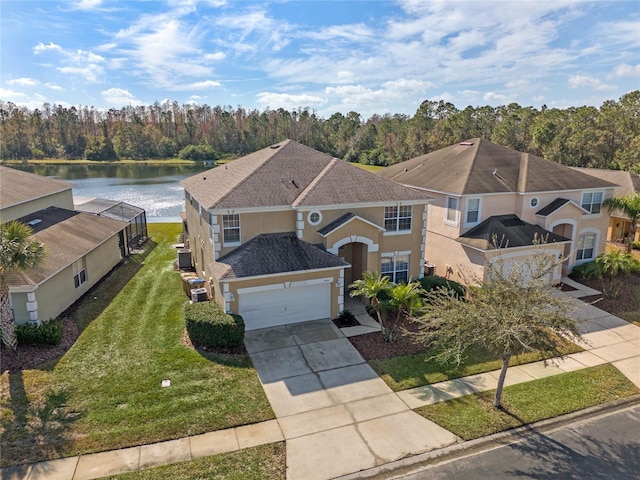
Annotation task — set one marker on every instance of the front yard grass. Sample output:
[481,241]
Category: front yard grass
[474,416]
[105,392]
[410,371]
[266,462]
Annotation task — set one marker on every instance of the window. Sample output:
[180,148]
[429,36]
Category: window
[79,272]
[473,211]
[231,229]
[592,201]
[314,217]
[452,211]
[396,268]
[586,246]
[533,202]
[397,219]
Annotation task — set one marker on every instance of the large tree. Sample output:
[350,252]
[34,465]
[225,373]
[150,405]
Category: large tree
[512,312]
[630,207]
[17,253]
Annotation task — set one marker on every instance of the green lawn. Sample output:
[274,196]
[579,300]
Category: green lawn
[105,392]
[266,462]
[369,168]
[410,371]
[474,416]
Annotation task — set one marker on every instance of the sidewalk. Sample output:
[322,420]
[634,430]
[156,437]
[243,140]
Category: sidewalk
[609,339]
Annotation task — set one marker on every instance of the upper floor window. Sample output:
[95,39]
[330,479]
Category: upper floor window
[451,217]
[592,201]
[231,229]
[314,217]
[586,246]
[473,211]
[397,219]
[396,267]
[79,272]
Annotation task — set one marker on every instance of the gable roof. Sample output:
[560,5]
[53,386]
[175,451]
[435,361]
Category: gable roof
[478,166]
[18,187]
[556,205]
[509,231]
[272,253]
[67,236]
[628,183]
[291,174]
[343,220]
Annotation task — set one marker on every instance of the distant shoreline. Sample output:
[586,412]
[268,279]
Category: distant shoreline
[56,161]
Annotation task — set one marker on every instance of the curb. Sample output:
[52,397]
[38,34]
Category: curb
[414,463]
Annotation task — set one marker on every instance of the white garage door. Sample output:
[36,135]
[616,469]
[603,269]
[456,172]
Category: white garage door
[275,305]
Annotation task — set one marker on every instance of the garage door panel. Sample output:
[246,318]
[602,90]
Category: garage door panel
[285,305]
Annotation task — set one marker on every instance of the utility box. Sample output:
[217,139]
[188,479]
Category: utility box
[199,295]
[184,259]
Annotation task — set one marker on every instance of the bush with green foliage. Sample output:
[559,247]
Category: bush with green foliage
[346,319]
[198,153]
[435,282]
[46,333]
[209,325]
[636,245]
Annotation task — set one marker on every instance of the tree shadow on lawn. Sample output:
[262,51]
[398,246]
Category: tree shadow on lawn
[37,428]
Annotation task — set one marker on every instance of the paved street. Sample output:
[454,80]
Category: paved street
[607,447]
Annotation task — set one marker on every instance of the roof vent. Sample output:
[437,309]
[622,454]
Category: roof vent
[405,169]
[466,144]
[274,146]
[293,182]
[34,222]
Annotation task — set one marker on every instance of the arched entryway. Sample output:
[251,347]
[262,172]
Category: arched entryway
[567,231]
[355,253]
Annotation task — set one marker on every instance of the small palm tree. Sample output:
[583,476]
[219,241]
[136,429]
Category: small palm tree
[406,299]
[630,207]
[374,287]
[610,266]
[17,254]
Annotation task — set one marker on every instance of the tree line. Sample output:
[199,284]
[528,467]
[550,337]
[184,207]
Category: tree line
[605,137]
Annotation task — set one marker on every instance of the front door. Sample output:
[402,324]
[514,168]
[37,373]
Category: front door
[354,253]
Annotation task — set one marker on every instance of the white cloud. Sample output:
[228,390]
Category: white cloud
[119,96]
[289,101]
[87,4]
[8,94]
[214,56]
[625,70]
[494,97]
[29,82]
[577,81]
[53,86]
[41,47]
[91,73]
[201,85]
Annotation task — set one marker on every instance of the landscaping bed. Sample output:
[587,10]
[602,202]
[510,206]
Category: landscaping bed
[627,303]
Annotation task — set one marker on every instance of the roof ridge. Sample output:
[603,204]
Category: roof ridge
[315,182]
[523,172]
[476,146]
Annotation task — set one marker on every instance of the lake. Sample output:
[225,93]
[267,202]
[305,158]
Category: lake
[156,188]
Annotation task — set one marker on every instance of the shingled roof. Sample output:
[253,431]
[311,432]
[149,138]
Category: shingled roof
[291,174]
[18,187]
[628,183]
[508,231]
[67,236]
[273,253]
[478,166]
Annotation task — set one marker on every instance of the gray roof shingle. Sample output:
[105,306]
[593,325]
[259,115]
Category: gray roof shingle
[18,187]
[628,183]
[479,166]
[509,231]
[273,253]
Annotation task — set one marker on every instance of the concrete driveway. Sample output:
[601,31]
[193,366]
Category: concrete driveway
[336,414]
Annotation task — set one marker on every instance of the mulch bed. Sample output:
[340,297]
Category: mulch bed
[628,299]
[373,347]
[28,356]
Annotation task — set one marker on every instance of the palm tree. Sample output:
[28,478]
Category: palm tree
[610,266]
[405,298]
[630,207]
[374,287]
[17,254]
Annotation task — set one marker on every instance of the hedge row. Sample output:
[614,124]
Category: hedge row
[209,325]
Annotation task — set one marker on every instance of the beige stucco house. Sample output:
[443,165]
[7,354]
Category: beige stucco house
[628,184]
[280,234]
[483,191]
[79,248]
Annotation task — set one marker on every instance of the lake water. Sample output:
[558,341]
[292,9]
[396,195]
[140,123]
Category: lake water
[156,188]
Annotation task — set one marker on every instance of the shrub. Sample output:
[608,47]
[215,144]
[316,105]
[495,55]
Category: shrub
[434,282]
[636,245]
[47,333]
[346,319]
[586,270]
[209,325]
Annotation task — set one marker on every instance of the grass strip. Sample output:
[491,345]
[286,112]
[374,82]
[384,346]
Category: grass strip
[410,371]
[266,462]
[474,416]
[105,392]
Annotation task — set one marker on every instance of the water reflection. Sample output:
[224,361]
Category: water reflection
[156,188]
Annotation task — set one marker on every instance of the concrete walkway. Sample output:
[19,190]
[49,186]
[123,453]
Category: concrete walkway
[335,413]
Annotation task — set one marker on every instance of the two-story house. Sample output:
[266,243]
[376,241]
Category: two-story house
[79,248]
[281,233]
[484,192]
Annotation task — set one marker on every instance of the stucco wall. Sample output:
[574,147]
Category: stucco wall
[62,199]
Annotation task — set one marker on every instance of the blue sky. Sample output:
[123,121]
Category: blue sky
[329,56]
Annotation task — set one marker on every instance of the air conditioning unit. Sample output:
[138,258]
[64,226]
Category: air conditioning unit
[184,259]
[199,295]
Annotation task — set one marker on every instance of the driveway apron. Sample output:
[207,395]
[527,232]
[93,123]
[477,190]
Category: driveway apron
[336,414]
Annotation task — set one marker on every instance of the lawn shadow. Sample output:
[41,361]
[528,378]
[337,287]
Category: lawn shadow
[38,429]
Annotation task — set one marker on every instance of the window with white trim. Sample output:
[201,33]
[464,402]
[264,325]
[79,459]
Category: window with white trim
[473,211]
[79,272]
[397,218]
[586,246]
[231,229]
[314,217]
[592,201]
[396,268]
[451,217]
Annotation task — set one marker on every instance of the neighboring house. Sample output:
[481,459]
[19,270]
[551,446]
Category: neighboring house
[135,233]
[628,184]
[281,233]
[483,191]
[79,248]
